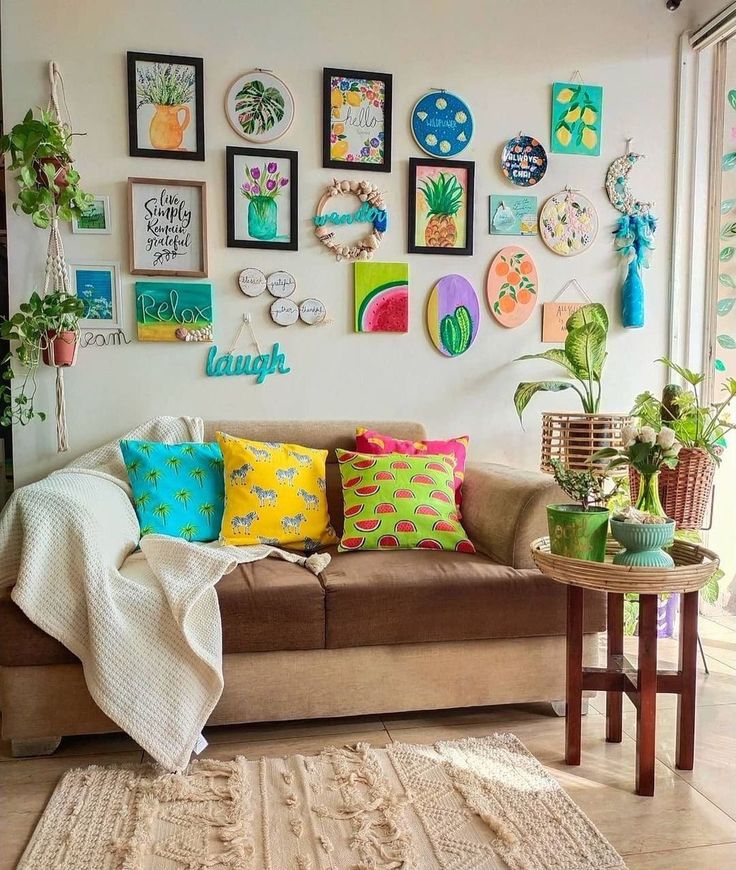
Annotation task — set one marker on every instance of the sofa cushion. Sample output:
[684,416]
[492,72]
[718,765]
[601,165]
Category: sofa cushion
[415,596]
[265,605]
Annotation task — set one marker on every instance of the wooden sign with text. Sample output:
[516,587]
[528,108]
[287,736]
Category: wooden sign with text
[554,318]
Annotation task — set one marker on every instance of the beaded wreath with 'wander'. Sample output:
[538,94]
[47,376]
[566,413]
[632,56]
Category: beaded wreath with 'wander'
[400,502]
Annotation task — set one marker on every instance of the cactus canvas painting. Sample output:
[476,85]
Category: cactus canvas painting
[453,315]
[381,297]
[577,114]
[441,206]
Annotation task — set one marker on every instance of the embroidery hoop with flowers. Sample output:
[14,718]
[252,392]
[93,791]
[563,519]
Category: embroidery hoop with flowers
[372,209]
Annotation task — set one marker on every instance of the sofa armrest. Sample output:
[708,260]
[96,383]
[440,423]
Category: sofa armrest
[504,510]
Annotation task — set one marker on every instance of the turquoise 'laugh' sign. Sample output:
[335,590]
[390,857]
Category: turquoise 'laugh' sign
[258,366]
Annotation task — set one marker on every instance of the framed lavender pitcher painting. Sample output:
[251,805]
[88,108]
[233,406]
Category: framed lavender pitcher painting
[262,190]
[165,106]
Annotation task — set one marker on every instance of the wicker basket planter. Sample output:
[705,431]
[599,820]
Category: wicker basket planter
[574,438]
[684,490]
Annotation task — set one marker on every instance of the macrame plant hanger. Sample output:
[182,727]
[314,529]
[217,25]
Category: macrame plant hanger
[56,279]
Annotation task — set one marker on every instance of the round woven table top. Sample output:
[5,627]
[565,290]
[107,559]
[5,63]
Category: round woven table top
[694,566]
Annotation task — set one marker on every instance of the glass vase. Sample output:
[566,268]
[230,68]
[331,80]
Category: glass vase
[649,494]
[262,215]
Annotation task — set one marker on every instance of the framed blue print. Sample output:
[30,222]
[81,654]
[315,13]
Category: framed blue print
[511,215]
[442,124]
[97,284]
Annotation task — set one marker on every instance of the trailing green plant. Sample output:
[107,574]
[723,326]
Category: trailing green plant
[456,331]
[165,84]
[29,329]
[696,425]
[582,357]
[48,183]
[584,487]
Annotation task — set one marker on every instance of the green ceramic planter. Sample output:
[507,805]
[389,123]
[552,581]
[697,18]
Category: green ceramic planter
[643,543]
[576,533]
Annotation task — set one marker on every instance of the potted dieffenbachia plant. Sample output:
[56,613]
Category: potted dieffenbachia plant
[44,328]
[47,181]
[579,530]
[573,437]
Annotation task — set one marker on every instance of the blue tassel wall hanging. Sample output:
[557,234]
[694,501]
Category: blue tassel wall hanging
[634,235]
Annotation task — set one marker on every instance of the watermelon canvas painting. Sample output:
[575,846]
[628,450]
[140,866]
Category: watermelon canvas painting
[381,297]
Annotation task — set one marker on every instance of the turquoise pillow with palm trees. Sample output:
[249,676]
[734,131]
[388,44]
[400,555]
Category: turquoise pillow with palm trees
[178,489]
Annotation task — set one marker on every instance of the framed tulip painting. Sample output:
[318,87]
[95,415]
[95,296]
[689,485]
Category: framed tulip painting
[577,111]
[165,106]
[356,111]
[262,188]
[440,206]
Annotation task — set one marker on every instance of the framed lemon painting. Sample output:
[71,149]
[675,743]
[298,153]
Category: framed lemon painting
[356,120]
[577,112]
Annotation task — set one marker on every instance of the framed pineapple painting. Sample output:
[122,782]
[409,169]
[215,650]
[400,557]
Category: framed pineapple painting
[356,113]
[165,106]
[440,206]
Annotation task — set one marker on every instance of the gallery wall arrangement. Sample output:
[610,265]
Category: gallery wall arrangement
[313,167]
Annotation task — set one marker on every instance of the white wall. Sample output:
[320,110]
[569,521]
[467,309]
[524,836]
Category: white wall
[501,56]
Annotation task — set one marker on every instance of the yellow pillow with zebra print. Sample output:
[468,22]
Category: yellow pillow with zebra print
[274,494]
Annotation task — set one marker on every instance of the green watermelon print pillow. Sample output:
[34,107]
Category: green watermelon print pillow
[400,502]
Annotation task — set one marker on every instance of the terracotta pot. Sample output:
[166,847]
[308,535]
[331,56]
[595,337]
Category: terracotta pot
[60,175]
[61,349]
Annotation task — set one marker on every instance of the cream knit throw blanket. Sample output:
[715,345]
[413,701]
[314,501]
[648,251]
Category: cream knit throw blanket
[146,626]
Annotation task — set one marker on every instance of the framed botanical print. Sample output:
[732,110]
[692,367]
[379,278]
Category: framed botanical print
[95,219]
[167,227]
[97,284]
[356,120]
[440,206]
[262,191]
[165,106]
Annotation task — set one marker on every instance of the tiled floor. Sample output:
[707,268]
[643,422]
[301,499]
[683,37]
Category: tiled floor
[690,823]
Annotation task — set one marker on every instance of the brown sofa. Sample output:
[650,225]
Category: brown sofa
[375,632]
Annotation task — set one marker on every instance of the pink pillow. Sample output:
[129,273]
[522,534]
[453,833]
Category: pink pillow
[368,441]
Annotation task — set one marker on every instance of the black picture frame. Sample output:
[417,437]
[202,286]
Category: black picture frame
[469,166]
[231,153]
[135,147]
[327,161]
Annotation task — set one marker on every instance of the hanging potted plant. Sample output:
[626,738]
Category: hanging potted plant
[47,181]
[580,530]
[44,328]
[685,489]
[573,438]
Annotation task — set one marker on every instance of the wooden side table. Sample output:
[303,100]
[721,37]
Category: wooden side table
[694,565]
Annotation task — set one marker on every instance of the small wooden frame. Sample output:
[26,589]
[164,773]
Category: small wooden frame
[167,234]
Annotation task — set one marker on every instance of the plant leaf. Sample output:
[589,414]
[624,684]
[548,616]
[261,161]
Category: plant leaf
[526,390]
[595,313]
[555,355]
[732,99]
[729,161]
[585,347]
[726,254]
[725,305]
[727,280]
[726,341]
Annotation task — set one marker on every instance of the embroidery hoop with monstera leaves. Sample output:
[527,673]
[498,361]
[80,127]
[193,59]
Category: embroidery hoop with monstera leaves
[367,194]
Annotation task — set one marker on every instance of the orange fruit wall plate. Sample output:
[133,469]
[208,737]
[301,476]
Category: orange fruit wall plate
[512,286]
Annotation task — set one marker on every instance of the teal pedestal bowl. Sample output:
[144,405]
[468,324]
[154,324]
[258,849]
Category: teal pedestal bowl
[644,544]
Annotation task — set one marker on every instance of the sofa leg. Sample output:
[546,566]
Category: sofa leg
[559,707]
[34,746]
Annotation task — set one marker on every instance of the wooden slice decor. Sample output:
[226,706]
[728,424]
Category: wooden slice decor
[512,286]
[252,282]
[284,312]
[453,315]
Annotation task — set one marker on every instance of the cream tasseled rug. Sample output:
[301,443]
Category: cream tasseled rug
[461,805]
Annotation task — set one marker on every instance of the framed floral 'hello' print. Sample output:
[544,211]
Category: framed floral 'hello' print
[356,120]
[165,106]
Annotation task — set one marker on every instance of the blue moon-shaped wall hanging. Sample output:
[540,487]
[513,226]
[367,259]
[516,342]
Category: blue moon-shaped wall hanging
[442,124]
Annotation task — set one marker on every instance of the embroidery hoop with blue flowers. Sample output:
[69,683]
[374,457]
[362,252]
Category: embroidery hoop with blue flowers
[372,209]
